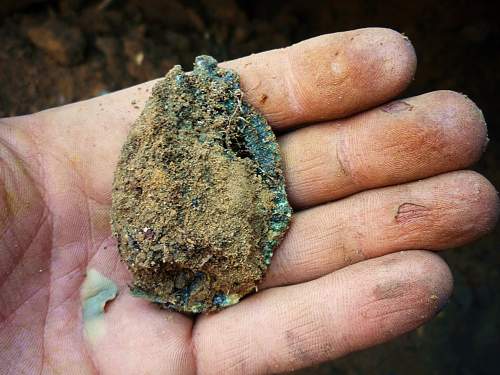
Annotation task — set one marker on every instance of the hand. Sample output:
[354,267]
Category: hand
[376,188]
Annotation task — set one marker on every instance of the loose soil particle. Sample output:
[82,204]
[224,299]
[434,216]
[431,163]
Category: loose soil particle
[199,200]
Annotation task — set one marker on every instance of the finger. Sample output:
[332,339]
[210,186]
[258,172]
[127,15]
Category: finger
[333,75]
[433,214]
[327,77]
[403,141]
[321,78]
[283,329]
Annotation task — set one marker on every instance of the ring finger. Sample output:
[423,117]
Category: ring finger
[400,142]
[433,214]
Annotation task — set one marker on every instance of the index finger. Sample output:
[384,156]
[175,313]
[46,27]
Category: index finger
[321,78]
[327,77]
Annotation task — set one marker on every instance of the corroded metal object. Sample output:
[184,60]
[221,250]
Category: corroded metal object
[199,200]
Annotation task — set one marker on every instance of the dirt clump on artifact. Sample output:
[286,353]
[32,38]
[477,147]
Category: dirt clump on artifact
[199,200]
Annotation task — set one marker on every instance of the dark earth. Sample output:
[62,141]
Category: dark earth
[115,44]
[199,201]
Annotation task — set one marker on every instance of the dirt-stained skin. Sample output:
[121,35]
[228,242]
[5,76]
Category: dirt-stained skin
[199,200]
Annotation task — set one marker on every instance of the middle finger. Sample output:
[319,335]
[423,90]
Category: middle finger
[400,142]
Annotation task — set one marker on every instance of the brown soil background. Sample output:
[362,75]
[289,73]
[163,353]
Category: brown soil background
[115,44]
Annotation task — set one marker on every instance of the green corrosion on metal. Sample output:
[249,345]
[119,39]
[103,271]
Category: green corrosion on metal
[260,142]
[96,291]
[199,200]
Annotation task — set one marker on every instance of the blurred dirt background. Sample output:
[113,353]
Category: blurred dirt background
[56,52]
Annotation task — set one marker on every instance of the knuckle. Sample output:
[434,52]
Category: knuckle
[348,163]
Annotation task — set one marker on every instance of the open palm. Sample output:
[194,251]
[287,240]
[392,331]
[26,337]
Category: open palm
[366,183]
